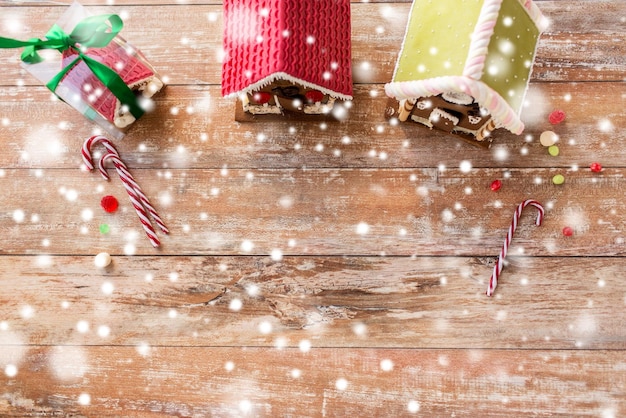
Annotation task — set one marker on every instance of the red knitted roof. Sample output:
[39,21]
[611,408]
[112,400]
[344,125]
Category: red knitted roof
[306,41]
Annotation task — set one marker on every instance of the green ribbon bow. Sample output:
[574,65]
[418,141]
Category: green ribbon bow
[91,32]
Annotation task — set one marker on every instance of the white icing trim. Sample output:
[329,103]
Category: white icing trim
[154,86]
[424,104]
[148,88]
[501,112]
[319,108]
[475,133]
[284,76]
[122,119]
[260,109]
[458,98]
[455,129]
[439,113]
[474,120]
[421,120]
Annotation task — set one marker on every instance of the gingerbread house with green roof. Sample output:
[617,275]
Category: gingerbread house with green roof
[465,65]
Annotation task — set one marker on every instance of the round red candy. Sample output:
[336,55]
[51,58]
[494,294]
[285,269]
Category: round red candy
[556,117]
[495,185]
[568,232]
[314,96]
[596,167]
[109,203]
[261,97]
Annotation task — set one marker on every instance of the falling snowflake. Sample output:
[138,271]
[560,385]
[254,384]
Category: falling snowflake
[413,407]
[465,166]
[341,384]
[362,228]
[304,346]
[386,365]
[84,399]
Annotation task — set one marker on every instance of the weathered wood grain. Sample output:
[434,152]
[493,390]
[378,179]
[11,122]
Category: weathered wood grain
[424,302]
[194,127]
[586,41]
[321,211]
[191,382]
[397,314]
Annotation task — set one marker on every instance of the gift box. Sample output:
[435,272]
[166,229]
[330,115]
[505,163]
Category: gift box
[464,67]
[88,65]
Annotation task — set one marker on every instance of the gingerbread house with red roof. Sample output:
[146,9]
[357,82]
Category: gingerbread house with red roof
[287,55]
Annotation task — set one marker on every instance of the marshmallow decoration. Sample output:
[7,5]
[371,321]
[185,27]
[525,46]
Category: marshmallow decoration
[482,54]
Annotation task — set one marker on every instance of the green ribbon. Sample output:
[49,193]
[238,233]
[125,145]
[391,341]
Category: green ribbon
[91,32]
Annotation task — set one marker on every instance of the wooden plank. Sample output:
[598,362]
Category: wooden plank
[324,211]
[576,48]
[555,53]
[195,128]
[369,244]
[425,302]
[185,382]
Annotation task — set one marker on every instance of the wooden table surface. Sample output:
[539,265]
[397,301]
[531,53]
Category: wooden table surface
[314,269]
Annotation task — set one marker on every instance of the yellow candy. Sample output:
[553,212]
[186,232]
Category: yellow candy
[558,179]
[553,150]
[548,138]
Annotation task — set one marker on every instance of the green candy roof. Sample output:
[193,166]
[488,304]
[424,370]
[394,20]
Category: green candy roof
[437,39]
[511,53]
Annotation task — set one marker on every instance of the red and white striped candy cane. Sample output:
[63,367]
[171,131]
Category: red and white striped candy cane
[136,201]
[497,269]
[129,181]
[90,142]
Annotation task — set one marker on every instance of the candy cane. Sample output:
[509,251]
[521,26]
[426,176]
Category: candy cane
[129,181]
[135,200]
[90,142]
[497,269]
[138,198]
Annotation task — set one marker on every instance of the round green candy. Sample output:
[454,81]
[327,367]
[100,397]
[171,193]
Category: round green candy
[104,228]
[558,179]
[553,150]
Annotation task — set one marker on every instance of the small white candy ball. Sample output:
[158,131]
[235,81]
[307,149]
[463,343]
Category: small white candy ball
[548,138]
[102,260]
